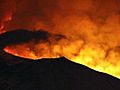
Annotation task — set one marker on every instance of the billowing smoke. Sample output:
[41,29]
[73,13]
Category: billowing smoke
[87,31]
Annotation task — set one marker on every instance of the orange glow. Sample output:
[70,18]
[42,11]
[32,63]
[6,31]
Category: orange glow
[91,28]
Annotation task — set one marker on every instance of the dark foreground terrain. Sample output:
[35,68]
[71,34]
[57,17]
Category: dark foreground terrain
[54,74]
[46,74]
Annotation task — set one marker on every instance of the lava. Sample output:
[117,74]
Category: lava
[89,28]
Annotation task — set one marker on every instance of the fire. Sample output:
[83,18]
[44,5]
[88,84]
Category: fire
[90,31]
[89,55]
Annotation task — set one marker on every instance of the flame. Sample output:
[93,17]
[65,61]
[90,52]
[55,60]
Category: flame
[91,29]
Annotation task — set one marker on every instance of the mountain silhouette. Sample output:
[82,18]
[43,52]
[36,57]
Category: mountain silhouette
[54,74]
[18,73]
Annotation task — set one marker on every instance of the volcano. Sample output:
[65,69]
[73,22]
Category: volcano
[18,73]
[83,31]
[54,74]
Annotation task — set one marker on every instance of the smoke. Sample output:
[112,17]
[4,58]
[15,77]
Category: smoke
[35,41]
[85,31]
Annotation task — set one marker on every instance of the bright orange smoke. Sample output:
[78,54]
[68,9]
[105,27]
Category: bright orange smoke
[91,28]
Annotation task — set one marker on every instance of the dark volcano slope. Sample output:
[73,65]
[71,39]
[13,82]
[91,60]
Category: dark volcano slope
[18,73]
[54,74]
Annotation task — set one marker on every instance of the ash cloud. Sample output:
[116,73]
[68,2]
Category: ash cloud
[24,36]
[92,21]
